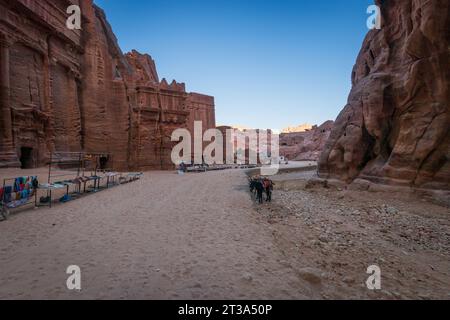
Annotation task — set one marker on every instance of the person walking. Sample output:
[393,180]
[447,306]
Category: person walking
[268,188]
[259,190]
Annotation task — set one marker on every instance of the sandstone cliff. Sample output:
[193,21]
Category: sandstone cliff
[65,90]
[395,127]
[306,144]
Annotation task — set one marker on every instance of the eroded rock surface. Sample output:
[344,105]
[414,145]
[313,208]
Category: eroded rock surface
[395,127]
[307,144]
[65,90]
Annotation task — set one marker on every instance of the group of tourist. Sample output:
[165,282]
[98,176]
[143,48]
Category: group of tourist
[260,185]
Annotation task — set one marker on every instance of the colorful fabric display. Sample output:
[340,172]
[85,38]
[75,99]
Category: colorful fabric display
[17,203]
[7,194]
[20,183]
[17,184]
[25,194]
[21,191]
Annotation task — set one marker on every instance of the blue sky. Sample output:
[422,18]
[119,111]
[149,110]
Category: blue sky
[269,63]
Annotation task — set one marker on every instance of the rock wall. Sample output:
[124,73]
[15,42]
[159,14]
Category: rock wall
[395,127]
[65,90]
[305,145]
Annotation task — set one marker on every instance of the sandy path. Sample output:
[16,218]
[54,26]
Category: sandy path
[164,237]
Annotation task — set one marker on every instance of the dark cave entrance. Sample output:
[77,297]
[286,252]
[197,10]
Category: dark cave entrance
[104,161]
[26,158]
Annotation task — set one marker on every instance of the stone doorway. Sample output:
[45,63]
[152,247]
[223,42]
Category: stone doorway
[104,161]
[26,158]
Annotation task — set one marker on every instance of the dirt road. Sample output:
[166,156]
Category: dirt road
[164,237]
[201,236]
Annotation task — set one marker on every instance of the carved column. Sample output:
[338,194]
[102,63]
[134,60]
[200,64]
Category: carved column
[8,156]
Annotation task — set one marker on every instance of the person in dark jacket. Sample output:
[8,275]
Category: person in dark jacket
[252,185]
[259,190]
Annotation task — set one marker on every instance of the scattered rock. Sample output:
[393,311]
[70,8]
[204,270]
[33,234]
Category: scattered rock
[247,277]
[349,280]
[311,275]
[390,210]
[316,183]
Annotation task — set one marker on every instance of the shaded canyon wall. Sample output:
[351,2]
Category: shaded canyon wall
[395,128]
